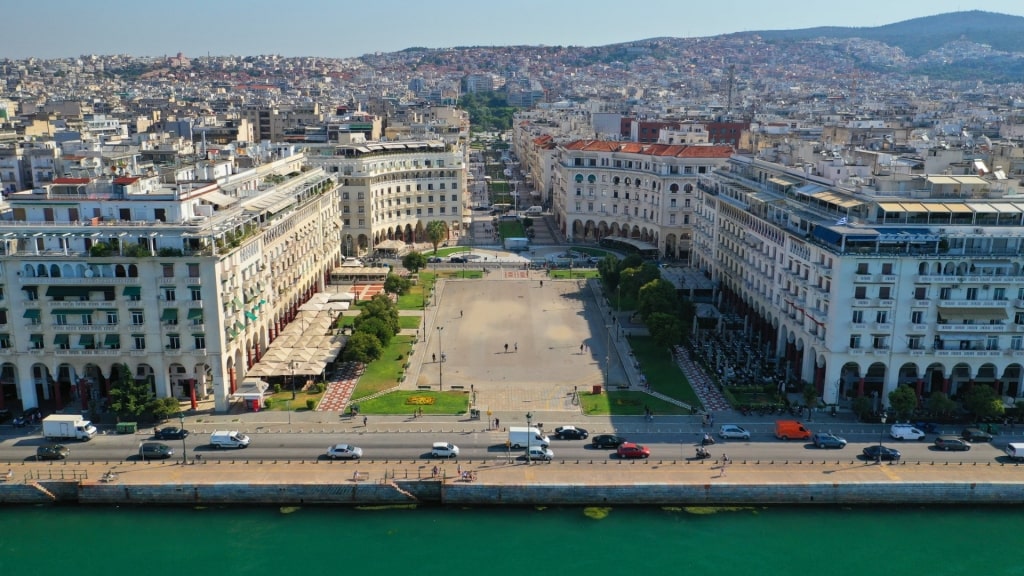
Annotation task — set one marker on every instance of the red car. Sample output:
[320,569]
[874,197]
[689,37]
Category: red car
[633,450]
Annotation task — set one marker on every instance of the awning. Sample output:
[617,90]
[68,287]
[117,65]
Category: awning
[981,207]
[935,207]
[31,314]
[35,338]
[251,389]
[169,315]
[66,291]
[958,208]
[913,207]
[972,313]
[239,326]
[218,198]
[237,302]
[781,181]
[112,340]
[891,207]
[195,314]
[1006,208]
[133,290]
[86,340]
[250,316]
[60,340]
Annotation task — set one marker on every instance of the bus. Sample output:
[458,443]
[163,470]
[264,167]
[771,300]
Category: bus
[631,246]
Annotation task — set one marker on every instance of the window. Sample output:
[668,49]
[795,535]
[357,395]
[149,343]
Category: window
[169,294]
[914,342]
[1018,318]
[917,317]
[860,292]
[885,292]
[880,342]
[887,268]
[999,294]
[881,317]
[193,270]
[921,293]
[138,342]
[972,293]
[862,268]
[111,317]
[945,293]
[87,319]
[854,342]
[138,318]
[60,319]
[858,316]
[5,340]
[199,341]
[173,342]
[168,270]
[1016,343]
[196,293]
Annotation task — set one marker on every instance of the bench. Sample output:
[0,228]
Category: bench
[424,387]
[360,476]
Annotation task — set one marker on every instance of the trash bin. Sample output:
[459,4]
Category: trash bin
[474,414]
[127,427]
[596,389]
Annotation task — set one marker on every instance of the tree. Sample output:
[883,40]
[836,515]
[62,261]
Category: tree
[414,261]
[129,397]
[903,401]
[162,408]
[362,347]
[657,296]
[634,278]
[862,407]
[380,306]
[395,284]
[379,328]
[939,404]
[981,400]
[810,394]
[664,329]
[437,231]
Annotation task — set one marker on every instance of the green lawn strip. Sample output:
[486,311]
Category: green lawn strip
[345,321]
[469,273]
[409,322]
[576,273]
[662,372]
[408,402]
[625,403]
[511,229]
[383,373]
[501,188]
[283,400]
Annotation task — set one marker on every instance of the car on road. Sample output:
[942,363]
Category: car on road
[876,452]
[444,450]
[828,440]
[458,260]
[952,443]
[344,452]
[538,453]
[434,260]
[632,450]
[52,452]
[155,451]
[906,432]
[607,441]
[571,433]
[733,431]
[975,435]
[171,433]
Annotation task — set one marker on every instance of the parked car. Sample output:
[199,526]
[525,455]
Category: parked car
[571,433]
[906,432]
[733,431]
[434,260]
[538,453]
[444,450]
[828,440]
[875,451]
[458,260]
[975,435]
[632,450]
[155,451]
[952,443]
[171,433]
[607,441]
[52,452]
[345,452]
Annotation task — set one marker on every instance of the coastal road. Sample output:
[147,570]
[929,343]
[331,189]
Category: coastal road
[483,445]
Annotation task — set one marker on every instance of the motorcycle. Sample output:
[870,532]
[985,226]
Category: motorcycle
[707,440]
[702,454]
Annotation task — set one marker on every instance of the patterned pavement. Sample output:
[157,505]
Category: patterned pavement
[339,389]
[709,395]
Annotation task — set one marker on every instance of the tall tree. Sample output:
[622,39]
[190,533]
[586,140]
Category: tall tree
[437,231]
[903,401]
[657,296]
[129,397]
[414,261]
[981,400]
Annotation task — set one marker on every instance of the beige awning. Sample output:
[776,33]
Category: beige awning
[936,207]
[891,207]
[1006,208]
[218,198]
[958,208]
[913,207]
[981,207]
[972,313]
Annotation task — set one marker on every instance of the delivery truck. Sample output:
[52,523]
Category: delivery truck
[67,427]
[1015,450]
[228,439]
[517,244]
[521,437]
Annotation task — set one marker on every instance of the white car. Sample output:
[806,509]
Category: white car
[733,431]
[345,452]
[444,450]
[538,453]
[905,432]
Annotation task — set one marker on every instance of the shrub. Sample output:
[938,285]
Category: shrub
[310,403]
[320,387]
[268,402]
[277,388]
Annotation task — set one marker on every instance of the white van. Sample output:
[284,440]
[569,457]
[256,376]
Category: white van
[228,439]
[905,432]
[534,210]
[521,437]
[1015,450]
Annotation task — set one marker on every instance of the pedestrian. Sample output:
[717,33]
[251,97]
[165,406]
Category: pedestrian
[459,470]
[433,357]
[460,313]
[725,460]
[497,423]
[506,347]
[364,421]
[581,348]
[516,347]
[541,283]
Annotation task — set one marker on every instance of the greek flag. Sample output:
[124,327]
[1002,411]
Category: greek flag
[841,221]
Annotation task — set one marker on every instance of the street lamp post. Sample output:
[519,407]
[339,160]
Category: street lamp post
[529,434]
[440,356]
[608,357]
[184,457]
[881,434]
[293,379]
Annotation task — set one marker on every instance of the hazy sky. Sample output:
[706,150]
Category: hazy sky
[342,28]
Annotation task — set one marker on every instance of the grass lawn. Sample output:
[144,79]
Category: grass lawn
[384,372]
[409,322]
[625,403]
[344,321]
[499,188]
[662,372]
[283,400]
[407,402]
[565,274]
[413,299]
[511,229]
[474,273]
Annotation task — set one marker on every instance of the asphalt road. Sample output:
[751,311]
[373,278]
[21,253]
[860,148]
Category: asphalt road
[489,445]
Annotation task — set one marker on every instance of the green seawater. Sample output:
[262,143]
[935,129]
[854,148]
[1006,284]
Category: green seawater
[94,541]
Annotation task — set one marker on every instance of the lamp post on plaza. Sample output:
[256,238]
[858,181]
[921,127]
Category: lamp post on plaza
[529,434]
[881,434]
[292,364]
[440,356]
[184,457]
[608,357]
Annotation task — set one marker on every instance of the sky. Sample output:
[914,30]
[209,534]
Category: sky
[345,28]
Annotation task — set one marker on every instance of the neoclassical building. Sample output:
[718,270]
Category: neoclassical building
[861,286]
[644,192]
[185,284]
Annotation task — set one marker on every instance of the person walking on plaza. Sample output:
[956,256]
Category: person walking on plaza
[506,347]
[516,347]
[364,421]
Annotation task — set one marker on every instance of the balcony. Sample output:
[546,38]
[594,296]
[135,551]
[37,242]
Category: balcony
[974,279]
[883,327]
[195,304]
[922,303]
[919,327]
[972,303]
[887,303]
[971,328]
[84,352]
[863,278]
[85,327]
[888,278]
[95,280]
[862,302]
[80,303]
[969,353]
[857,351]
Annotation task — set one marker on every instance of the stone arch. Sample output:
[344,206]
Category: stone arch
[177,380]
[1011,381]
[875,384]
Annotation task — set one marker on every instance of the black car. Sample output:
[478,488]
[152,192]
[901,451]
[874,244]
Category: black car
[155,450]
[607,441]
[571,433]
[52,452]
[458,260]
[952,443]
[975,435]
[874,451]
[434,260]
[171,433]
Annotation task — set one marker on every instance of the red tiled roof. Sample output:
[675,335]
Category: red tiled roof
[126,180]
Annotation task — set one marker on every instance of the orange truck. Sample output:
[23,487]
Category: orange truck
[791,430]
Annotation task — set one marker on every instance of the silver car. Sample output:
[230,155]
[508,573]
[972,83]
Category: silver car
[444,450]
[733,431]
[344,452]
